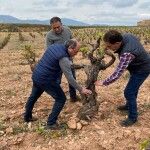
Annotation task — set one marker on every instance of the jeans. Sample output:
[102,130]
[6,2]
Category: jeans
[53,89]
[131,92]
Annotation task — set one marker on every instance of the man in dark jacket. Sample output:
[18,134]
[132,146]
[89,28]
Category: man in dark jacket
[136,60]
[46,76]
[59,34]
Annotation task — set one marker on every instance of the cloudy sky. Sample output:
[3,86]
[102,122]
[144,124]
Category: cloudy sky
[112,12]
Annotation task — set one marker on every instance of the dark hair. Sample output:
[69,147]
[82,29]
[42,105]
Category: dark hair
[72,43]
[55,19]
[112,36]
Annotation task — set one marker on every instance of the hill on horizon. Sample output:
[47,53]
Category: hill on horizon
[65,21]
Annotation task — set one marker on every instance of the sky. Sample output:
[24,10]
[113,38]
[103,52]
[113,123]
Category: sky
[110,12]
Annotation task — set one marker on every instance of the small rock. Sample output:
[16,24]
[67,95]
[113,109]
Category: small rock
[72,124]
[101,132]
[127,133]
[38,147]
[77,119]
[19,139]
[96,126]
[50,143]
[10,138]
[43,148]
[79,104]
[29,125]
[79,126]
[13,112]
[83,122]
[9,130]
[3,144]
[105,102]
[137,134]
[105,142]
[2,133]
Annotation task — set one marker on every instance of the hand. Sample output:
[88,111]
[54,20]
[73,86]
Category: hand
[98,83]
[86,91]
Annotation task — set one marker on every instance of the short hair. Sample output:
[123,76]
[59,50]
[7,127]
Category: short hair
[55,19]
[72,43]
[112,36]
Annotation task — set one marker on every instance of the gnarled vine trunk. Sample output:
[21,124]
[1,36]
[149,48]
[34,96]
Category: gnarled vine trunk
[90,104]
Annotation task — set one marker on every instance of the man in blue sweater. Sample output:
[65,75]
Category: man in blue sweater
[46,77]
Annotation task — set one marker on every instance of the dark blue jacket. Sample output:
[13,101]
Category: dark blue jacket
[48,68]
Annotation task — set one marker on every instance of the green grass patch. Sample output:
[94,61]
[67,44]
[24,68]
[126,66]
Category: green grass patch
[145,145]
[52,134]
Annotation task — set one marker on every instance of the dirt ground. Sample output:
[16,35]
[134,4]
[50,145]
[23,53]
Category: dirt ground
[102,133]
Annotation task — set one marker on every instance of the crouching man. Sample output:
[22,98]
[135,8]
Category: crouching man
[46,78]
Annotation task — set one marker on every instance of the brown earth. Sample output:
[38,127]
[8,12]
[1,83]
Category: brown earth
[102,133]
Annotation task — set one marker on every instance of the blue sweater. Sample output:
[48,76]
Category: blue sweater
[48,67]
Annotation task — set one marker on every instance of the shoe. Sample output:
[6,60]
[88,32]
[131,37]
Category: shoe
[128,122]
[123,108]
[55,126]
[75,99]
[30,119]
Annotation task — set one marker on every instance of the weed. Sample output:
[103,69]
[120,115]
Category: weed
[2,126]
[10,93]
[145,145]
[5,41]
[19,129]
[32,35]
[51,133]
[29,55]
[21,38]
[84,50]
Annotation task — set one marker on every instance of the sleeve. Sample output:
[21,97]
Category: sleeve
[48,41]
[125,60]
[65,65]
[71,36]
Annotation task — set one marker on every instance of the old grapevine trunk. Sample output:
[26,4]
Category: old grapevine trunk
[90,104]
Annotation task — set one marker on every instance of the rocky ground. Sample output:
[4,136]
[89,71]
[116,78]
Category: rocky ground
[102,133]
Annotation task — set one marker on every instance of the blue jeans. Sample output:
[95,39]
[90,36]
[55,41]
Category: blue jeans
[53,89]
[131,92]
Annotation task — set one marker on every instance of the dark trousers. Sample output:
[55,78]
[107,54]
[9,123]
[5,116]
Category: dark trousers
[131,92]
[53,89]
[72,90]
